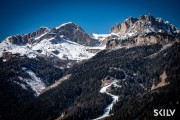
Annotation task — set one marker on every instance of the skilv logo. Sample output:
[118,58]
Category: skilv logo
[164,112]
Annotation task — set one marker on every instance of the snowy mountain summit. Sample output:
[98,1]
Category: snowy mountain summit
[67,41]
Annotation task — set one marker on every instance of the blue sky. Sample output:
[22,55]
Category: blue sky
[94,16]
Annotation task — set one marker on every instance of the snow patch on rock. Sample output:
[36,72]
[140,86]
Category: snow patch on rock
[34,82]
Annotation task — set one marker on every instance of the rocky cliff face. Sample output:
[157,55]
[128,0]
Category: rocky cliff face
[140,40]
[27,38]
[122,28]
[73,32]
[143,24]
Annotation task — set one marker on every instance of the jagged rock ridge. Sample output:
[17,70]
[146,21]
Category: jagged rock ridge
[144,30]
[143,24]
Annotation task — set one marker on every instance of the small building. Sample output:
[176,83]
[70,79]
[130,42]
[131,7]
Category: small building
[7,55]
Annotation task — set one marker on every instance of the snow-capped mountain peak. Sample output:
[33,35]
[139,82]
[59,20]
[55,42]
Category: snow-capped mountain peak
[67,41]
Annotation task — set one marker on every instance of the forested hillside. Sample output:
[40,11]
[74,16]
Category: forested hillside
[79,96]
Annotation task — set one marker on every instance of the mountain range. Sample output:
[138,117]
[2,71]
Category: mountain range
[64,73]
